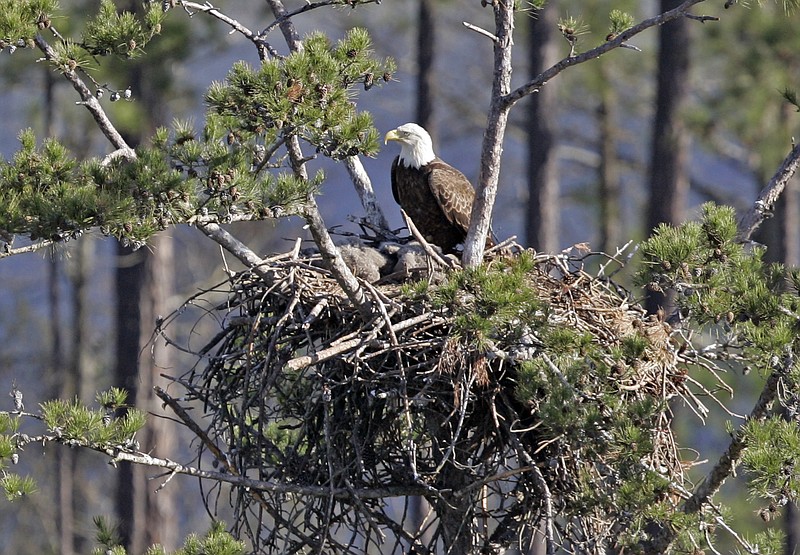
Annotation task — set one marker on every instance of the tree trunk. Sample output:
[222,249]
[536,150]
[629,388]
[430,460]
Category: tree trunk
[609,183]
[543,214]
[426,50]
[159,435]
[144,283]
[130,276]
[669,168]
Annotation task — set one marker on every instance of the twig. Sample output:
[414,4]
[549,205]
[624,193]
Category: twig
[165,482]
[8,251]
[701,18]
[480,31]
[258,40]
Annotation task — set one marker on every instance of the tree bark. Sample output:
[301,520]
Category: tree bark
[669,168]
[543,211]
[492,144]
[159,434]
[144,284]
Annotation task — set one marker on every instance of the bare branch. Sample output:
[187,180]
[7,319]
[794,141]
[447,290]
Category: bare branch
[258,39]
[118,454]
[769,195]
[617,41]
[502,101]
[363,186]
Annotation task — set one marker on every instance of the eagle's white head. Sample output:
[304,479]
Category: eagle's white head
[416,147]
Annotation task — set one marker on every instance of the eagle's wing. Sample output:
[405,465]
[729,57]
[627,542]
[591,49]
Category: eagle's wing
[452,191]
[394,180]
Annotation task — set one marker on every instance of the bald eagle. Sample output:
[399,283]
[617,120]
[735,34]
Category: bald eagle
[436,196]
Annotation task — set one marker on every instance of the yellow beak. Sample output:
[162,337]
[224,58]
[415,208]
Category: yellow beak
[391,136]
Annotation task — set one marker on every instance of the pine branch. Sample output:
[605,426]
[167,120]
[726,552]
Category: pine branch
[330,254]
[729,460]
[88,99]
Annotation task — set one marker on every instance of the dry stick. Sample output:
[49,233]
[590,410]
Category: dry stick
[769,195]
[423,243]
[305,361]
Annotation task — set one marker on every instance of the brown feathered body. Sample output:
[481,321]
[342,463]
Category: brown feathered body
[437,197]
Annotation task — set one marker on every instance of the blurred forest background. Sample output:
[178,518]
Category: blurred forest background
[605,152]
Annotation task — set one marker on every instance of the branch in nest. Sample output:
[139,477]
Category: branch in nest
[429,250]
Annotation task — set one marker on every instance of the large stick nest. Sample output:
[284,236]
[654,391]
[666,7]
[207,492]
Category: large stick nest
[414,430]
